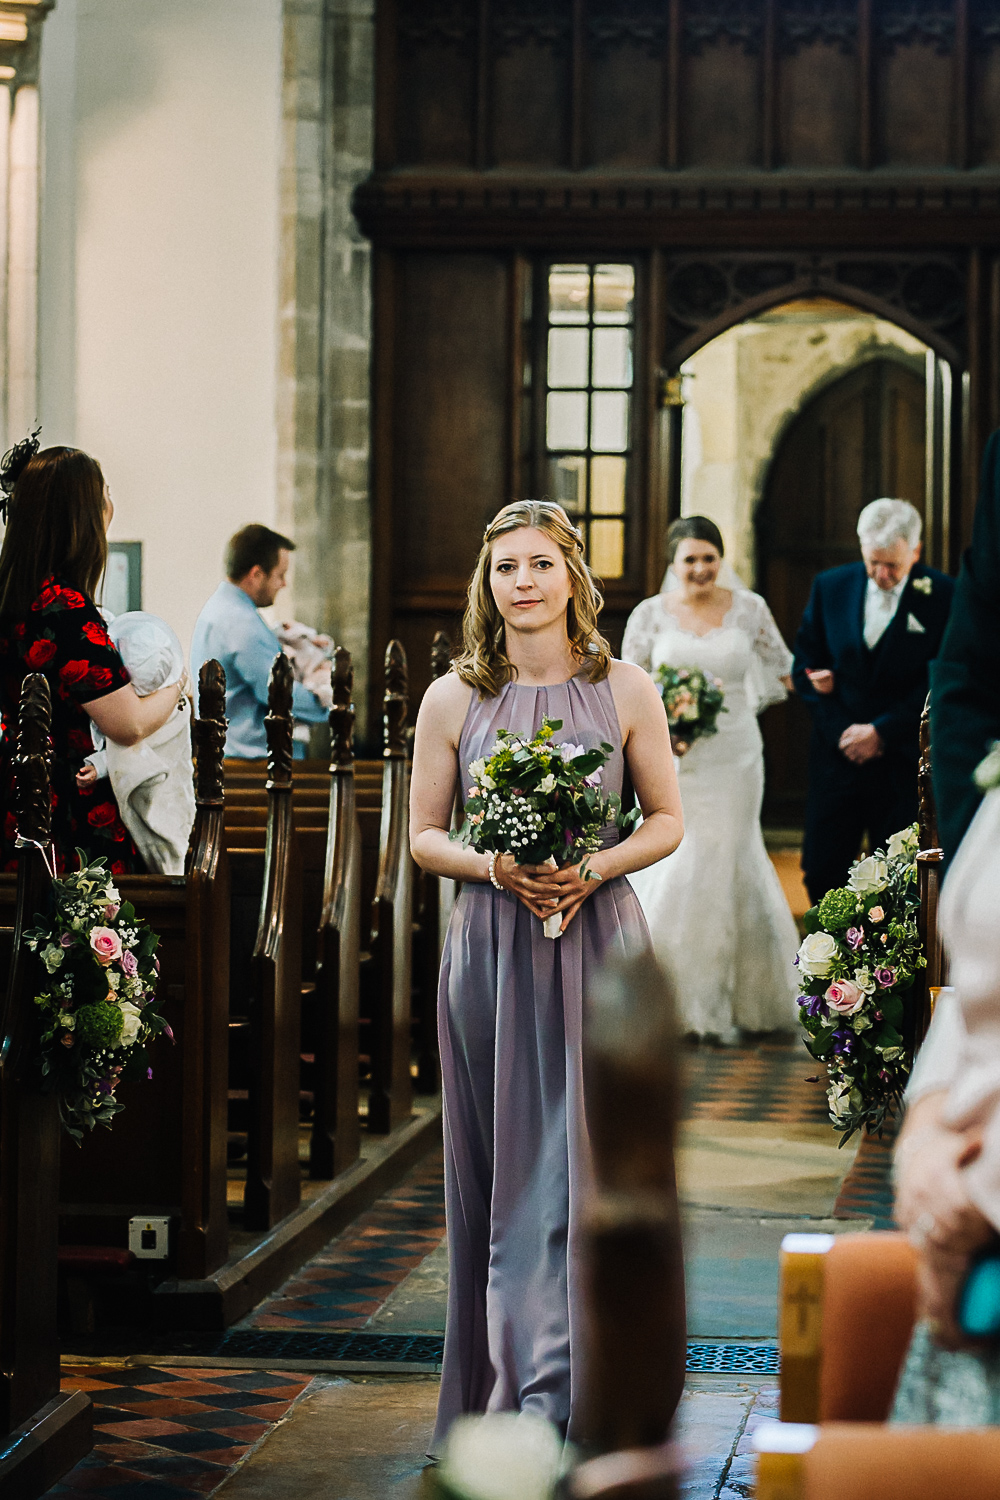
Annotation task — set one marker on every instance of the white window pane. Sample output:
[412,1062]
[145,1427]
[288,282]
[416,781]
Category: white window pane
[568,356]
[608,422]
[569,294]
[612,356]
[614,290]
[566,419]
[607,548]
[567,484]
[607,485]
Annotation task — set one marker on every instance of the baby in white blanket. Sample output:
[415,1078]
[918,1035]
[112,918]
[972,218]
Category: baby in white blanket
[152,781]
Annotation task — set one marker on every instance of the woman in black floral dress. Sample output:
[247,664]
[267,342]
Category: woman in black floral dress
[54,553]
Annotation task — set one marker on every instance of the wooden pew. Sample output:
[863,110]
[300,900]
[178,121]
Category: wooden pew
[43,1432]
[428,936]
[265,1001]
[388,978]
[333,1009]
[166,1153]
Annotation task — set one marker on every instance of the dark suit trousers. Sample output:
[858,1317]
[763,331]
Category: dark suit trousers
[844,803]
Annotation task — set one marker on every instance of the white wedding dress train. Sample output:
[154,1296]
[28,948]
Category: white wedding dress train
[718,916]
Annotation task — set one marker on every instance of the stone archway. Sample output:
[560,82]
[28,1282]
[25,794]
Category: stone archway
[707,293]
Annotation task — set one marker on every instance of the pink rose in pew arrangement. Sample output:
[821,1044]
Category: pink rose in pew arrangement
[845,997]
[106,944]
[111,911]
[855,937]
[130,964]
[885,976]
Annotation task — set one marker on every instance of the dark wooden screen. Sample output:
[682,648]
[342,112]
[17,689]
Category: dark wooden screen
[738,153]
[861,438]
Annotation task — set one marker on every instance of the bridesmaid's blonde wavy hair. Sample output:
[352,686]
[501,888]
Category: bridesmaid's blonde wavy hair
[483,662]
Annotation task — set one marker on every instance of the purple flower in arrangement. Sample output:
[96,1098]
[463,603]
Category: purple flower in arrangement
[879,1016]
[815,1005]
[149,1073]
[855,937]
[166,1032]
[130,965]
[843,1041]
[885,976]
[67,940]
[594,779]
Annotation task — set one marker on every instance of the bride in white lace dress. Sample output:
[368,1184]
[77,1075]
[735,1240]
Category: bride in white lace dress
[715,908]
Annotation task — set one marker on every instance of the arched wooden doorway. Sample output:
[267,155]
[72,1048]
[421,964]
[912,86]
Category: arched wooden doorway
[863,436]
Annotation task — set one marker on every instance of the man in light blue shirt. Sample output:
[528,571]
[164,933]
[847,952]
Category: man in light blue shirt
[231,630]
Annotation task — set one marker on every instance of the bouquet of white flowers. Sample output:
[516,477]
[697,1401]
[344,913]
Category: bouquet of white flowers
[540,801]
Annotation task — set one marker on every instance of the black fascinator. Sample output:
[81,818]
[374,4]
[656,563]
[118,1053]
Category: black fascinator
[12,465]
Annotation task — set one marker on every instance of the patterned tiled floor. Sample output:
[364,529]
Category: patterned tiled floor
[866,1192]
[170,1434]
[352,1276]
[773,1080]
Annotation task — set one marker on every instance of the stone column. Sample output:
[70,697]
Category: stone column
[325,316]
[20,45]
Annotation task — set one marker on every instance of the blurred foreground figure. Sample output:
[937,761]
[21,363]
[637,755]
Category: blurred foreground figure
[965,678]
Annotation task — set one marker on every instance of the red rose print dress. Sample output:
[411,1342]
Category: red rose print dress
[63,636]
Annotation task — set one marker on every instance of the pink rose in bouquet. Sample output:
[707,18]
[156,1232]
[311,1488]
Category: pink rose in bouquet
[844,997]
[106,944]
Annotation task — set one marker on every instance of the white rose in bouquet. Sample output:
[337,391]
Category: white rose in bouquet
[816,954]
[903,845]
[131,1020]
[869,876]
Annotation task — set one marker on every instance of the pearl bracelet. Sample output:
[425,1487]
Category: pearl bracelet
[493,871]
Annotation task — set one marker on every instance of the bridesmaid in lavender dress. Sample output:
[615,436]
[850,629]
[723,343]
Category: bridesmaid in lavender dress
[510,1000]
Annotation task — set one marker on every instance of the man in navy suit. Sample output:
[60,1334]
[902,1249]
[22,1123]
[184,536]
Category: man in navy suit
[868,636]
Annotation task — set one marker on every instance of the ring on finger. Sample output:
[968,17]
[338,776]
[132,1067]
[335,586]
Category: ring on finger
[922,1229]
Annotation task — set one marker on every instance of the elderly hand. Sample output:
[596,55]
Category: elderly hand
[860,743]
[934,1208]
[821,681]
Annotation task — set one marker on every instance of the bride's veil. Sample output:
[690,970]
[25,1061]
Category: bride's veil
[728,579]
[762,687]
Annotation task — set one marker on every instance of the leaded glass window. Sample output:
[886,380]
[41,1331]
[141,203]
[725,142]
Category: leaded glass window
[588,402]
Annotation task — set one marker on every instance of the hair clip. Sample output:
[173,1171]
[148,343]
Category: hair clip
[12,466]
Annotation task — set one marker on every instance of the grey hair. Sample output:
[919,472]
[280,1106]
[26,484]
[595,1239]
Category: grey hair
[884,522]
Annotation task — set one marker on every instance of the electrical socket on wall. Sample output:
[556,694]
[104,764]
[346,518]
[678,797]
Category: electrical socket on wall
[149,1239]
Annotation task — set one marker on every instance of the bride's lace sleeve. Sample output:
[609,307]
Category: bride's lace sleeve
[772,658]
[641,631]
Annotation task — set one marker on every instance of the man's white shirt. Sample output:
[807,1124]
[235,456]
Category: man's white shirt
[880,609]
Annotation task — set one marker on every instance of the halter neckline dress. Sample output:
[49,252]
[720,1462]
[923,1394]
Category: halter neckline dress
[517,1157]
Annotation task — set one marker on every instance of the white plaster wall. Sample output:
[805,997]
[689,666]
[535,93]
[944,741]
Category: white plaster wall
[741,391]
[160,271]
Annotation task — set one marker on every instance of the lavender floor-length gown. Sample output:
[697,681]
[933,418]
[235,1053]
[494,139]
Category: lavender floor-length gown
[517,1160]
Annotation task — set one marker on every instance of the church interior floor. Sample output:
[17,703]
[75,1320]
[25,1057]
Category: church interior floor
[756,1159]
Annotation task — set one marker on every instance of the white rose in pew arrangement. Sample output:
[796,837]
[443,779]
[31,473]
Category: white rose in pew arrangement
[869,876]
[904,845]
[131,1023]
[816,954]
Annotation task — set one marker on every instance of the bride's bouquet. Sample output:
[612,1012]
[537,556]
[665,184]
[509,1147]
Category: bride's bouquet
[693,700]
[541,802]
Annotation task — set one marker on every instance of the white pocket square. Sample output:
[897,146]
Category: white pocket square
[914,625]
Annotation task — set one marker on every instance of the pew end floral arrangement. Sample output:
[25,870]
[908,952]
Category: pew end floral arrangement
[541,802]
[98,1007]
[693,700]
[857,964]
